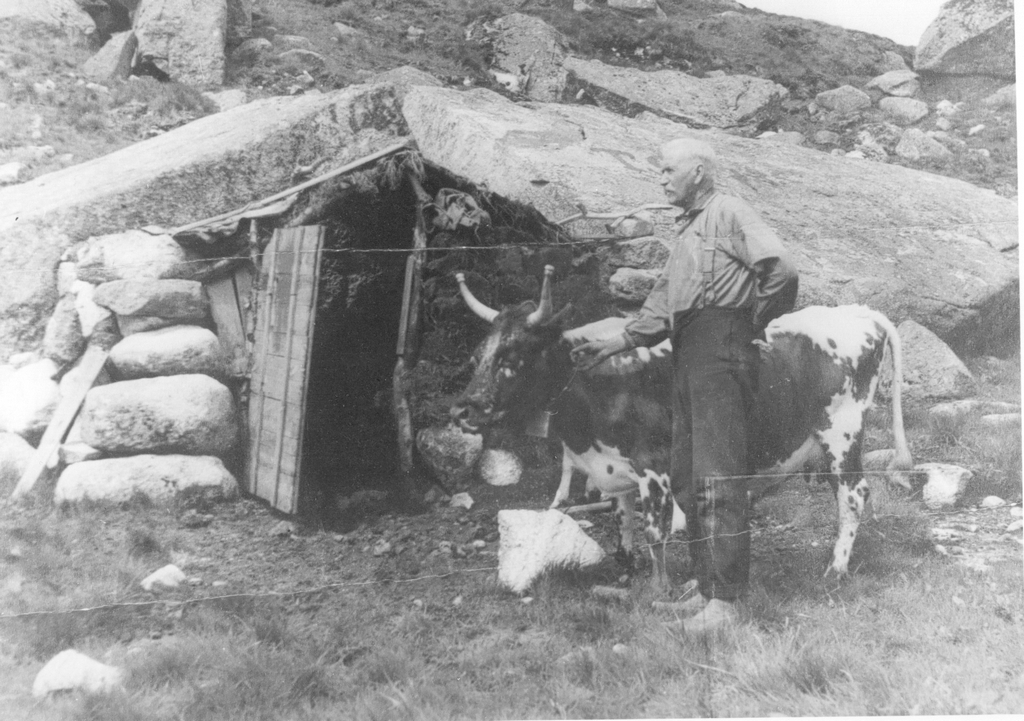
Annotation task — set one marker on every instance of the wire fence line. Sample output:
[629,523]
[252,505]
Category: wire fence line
[174,604]
[575,241]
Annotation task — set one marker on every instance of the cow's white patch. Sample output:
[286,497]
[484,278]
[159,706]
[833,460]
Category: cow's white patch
[840,332]
[607,468]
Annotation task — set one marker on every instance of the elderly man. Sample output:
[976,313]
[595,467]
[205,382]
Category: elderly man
[727,276]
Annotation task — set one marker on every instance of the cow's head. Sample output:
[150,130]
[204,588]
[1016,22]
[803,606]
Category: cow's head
[514,373]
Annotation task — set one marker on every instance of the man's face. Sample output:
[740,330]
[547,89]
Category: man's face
[681,176]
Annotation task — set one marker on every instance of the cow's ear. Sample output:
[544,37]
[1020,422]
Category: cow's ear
[557,321]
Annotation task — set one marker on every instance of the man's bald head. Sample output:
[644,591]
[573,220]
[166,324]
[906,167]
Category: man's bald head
[688,169]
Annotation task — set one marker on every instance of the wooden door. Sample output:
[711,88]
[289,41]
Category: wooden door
[285,315]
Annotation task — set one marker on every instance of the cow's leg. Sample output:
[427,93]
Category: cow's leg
[851,495]
[623,507]
[658,508]
[563,486]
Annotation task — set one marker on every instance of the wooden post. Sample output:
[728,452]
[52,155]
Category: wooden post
[408,342]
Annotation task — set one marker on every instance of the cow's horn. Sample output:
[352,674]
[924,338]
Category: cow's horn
[488,314]
[546,308]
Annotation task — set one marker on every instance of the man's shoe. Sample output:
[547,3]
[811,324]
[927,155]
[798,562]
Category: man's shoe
[718,614]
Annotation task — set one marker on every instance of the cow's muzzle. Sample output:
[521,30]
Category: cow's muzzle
[472,417]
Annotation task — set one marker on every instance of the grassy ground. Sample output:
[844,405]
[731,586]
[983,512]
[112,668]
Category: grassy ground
[422,635]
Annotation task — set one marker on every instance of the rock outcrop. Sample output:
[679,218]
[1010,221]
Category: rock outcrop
[62,16]
[969,37]
[529,47]
[721,102]
[931,371]
[911,244]
[184,39]
[172,179]
[114,59]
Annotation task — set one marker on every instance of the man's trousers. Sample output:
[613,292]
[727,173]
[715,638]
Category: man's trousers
[714,385]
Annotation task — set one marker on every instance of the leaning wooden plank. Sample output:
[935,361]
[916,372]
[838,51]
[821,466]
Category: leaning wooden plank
[67,409]
[228,317]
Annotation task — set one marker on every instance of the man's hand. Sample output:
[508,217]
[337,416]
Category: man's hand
[589,354]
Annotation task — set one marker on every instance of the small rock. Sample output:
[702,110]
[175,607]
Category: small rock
[414,33]
[11,172]
[903,111]
[170,576]
[1015,526]
[826,137]
[857,154]
[382,548]
[526,600]
[844,99]
[347,32]
[418,603]
[943,123]
[620,648]
[1001,420]
[1016,512]
[445,547]
[941,550]
[500,468]
[307,58]
[193,519]
[479,543]
[992,502]
[461,500]
[73,671]
[945,485]
[219,584]
[814,544]
[457,601]
[958,601]
[976,129]
[282,528]
[915,145]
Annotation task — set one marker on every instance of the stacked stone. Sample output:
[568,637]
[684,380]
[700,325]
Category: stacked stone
[160,417]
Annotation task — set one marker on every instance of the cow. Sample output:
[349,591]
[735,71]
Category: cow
[818,373]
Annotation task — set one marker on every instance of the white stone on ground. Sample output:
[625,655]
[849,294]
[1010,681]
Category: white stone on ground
[500,468]
[946,484]
[170,576]
[90,314]
[73,671]
[28,399]
[157,477]
[533,542]
[902,83]
[992,502]
[461,500]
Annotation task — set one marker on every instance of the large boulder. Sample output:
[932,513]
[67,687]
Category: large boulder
[527,45]
[931,371]
[178,350]
[63,341]
[114,59]
[175,178]
[182,300]
[169,351]
[184,38]
[969,37]
[28,399]
[451,454]
[844,99]
[722,102]
[134,255]
[15,454]
[159,477]
[192,414]
[62,16]
[904,111]
[909,243]
[901,83]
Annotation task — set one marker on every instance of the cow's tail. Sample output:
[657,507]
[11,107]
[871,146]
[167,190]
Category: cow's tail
[901,460]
